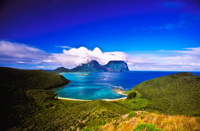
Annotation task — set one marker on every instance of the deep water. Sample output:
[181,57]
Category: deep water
[101,85]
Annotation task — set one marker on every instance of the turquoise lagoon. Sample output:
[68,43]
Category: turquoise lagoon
[100,85]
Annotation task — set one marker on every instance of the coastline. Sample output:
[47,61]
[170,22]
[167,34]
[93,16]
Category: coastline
[119,91]
[61,98]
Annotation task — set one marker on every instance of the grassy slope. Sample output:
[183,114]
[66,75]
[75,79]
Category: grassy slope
[27,105]
[29,79]
[174,94]
[161,121]
[16,86]
[66,115]
[30,107]
[137,103]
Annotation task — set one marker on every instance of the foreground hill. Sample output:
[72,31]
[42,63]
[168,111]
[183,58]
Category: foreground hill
[27,105]
[19,88]
[29,79]
[174,94]
[94,66]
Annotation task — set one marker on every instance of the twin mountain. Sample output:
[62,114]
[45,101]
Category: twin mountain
[94,66]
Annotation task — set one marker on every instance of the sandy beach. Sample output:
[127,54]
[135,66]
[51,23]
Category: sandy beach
[72,99]
[90,100]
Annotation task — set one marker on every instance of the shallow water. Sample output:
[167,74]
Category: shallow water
[100,85]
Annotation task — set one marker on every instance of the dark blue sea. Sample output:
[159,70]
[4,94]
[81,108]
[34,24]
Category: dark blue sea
[100,85]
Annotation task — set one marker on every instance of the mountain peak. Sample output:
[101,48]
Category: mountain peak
[117,66]
[93,61]
[94,66]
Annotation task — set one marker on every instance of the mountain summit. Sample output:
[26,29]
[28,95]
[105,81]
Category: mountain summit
[94,66]
[117,66]
[91,66]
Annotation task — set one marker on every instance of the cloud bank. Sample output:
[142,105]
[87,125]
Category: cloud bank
[16,53]
[76,56]
[12,53]
[187,59]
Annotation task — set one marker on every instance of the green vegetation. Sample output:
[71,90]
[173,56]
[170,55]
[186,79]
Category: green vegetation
[64,115]
[198,119]
[30,106]
[137,103]
[131,95]
[131,114]
[61,69]
[146,127]
[23,92]
[94,128]
[174,94]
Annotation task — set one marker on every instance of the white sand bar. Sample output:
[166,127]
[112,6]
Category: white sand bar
[90,100]
[72,99]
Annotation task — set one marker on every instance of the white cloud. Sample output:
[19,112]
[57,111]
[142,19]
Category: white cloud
[21,62]
[187,59]
[41,67]
[77,56]
[65,47]
[193,51]
[20,53]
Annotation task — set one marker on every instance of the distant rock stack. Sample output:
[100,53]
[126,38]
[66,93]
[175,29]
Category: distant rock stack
[94,66]
[117,66]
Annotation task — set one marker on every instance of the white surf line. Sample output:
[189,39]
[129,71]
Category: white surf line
[90,100]
[72,99]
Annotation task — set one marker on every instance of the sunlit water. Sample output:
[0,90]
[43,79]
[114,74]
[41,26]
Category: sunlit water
[100,85]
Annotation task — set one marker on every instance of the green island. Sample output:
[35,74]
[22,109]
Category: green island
[165,103]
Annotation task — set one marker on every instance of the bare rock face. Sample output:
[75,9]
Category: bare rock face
[117,66]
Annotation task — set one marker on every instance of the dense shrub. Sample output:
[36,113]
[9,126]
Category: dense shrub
[146,127]
[198,119]
[131,114]
[24,92]
[94,128]
[131,95]
[173,94]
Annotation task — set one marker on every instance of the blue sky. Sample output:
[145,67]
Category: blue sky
[147,34]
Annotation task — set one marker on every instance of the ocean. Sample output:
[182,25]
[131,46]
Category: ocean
[95,86]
